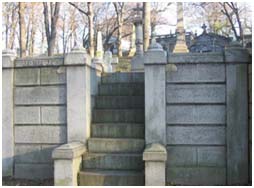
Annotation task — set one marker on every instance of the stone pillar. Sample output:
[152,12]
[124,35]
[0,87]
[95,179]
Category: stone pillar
[8,58]
[99,46]
[180,46]
[67,163]
[108,60]
[137,62]
[155,157]
[155,114]
[78,95]
[236,59]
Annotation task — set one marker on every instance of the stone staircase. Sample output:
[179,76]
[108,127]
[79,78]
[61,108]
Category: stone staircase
[115,148]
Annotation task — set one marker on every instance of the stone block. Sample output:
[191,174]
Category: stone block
[53,115]
[53,75]
[40,134]
[123,77]
[121,89]
[187,93]
[27,153]
[27,76]
[212,156]
[40,95]
[33,171]
[27,115]
[196,114]
[193,135]
[39,61]
[155,173]
[197,73]
[181,156]
[196,176]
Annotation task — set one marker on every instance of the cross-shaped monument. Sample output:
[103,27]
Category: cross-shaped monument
[180,46]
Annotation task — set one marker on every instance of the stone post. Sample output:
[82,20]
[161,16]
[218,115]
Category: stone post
[155,157]
[137,62]
[236,59]
[108,60]
[8,58]
[67,163]
[155,114]
[180,46]
[78,95]
[99,46]
[133,39]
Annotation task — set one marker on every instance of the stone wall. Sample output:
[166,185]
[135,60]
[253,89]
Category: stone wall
[207,119]
[47,102]
[196,119]
[250,119]
[39,115]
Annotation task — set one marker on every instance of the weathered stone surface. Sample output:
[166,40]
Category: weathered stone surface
[69,151]
[237,124]
[123,77]
[53,75]
[113,161]
[196,176]
[118,115]
[211,156]
[53,115]
[39,61]
[40,134]
[186,93]
[40,95]
[119,102]
[27,115]
[196,114]
[27,153]
[181,156]
[33,171]
[107,145]
[194,135]
[7,118]
[121,89]
[118,130]
[155,173]
[111,178]
[27,76]
[197,73]
[155,104]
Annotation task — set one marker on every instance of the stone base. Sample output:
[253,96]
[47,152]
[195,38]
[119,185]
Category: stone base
[180,48]
[137,63]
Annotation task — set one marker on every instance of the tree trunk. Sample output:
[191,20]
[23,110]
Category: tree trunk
[91,28]
[120,30]
[51,34]
[14,23]
[147,24]
[6,31]
[22,30]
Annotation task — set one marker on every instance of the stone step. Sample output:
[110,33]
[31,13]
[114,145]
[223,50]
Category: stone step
[115,145]
[118,130]
[118,115]
[121,89]
[113,102]
[113,161]
[111,178]
[123,77]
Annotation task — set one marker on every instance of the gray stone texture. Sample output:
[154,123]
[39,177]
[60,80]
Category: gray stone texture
[123,77]
[27,153]
[197,73]
[40,95]
[237,124]
[124,89]
[196,176]
[40,134]
[196,114]
[27,115]
[27,76]
[155,104]
[39,61]
[53,115]
[203,93]
[34,171]
[193,135]
[53,75]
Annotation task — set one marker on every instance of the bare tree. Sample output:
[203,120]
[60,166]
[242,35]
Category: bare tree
[90,15]
[50,25]
[147,24]
[22,30]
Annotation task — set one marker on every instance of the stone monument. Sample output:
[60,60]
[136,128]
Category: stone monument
[180,46]
[133,38]
[137,63]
